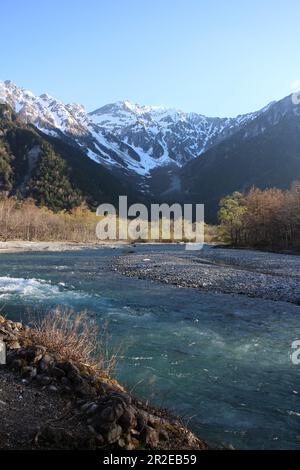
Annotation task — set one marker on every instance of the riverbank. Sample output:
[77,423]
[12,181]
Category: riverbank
[257,274]
[50,401]
[15,246]
[25,246]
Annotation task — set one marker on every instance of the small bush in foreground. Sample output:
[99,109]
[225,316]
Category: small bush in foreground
[74,337]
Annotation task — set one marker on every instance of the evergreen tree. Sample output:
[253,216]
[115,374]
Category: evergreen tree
[50,185]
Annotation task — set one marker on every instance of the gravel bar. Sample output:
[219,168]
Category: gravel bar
[255,274]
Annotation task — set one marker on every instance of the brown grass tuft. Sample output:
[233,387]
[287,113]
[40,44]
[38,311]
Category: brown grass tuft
[75,337]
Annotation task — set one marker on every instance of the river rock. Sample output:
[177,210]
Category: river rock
[108,414]
[28,354]
[163,435]
[17,364]
[57,372]
[44,379]
[150,437]
[2,352]
[46,362]
[89,408]
[29,372]
[113,434]
[128,419]
[141,419]
[92,409]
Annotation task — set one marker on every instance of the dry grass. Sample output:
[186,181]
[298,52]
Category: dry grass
[74,337]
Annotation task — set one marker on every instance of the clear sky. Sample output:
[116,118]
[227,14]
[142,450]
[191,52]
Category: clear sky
[219,58]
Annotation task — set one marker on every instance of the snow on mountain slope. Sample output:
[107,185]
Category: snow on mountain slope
[44,111]
[165,134]
[124,135]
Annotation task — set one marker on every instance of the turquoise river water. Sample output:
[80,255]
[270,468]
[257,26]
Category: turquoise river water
[222,362]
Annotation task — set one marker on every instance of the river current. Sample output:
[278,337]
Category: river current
[221,362]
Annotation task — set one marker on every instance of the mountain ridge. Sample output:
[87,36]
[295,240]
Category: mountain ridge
[156,154]
[264,154]
[50,170]
[124,135]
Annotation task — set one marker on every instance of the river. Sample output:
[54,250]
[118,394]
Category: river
[220,361]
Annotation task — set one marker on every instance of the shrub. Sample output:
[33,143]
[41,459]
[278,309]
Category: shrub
[74,337]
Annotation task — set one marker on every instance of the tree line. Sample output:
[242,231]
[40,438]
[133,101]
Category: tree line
[259,218]
[23,220]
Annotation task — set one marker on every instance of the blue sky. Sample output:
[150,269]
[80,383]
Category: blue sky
[219,58]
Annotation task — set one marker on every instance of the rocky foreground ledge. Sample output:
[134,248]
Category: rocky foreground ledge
[47,402]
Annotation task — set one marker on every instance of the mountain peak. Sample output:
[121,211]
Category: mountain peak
[9,83]
[125,134]
[46,97]
[129,107]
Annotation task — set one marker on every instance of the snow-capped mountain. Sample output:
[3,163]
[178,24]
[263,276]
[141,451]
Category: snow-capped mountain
[165,135]
[45,112]
[150,153]
[263,154]
[124,135]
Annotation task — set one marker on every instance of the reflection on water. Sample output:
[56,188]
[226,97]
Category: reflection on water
[221,362]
